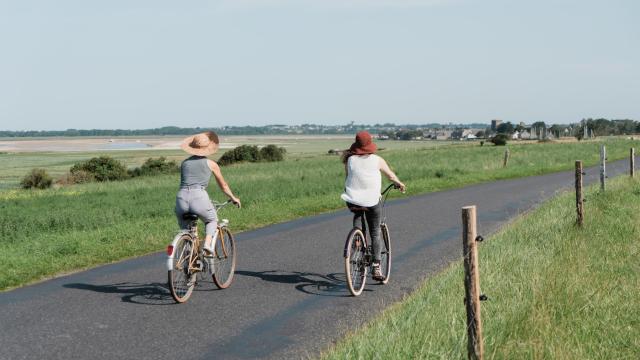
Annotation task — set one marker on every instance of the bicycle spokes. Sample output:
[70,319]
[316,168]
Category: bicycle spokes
[356,261]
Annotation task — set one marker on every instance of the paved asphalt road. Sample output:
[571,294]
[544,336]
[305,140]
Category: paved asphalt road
[288,299]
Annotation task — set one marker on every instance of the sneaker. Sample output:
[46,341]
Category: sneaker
[376,273]
[209,256]
[208,251]
[210,265]
[209,259]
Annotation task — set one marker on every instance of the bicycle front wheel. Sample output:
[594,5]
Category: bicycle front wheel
[385,261]
[354,261]
[224,259]
[181,280]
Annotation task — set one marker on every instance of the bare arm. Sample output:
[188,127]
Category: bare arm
[215,169]
[391,175]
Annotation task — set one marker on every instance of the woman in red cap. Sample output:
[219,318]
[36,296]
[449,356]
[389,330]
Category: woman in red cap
[362,189]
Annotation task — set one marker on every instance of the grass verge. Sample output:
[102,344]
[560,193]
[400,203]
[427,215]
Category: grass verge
[556,291]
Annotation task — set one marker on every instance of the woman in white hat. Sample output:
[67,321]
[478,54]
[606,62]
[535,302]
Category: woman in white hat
[195,173]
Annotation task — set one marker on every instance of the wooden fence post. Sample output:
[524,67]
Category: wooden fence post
[632,162]
[579,198]
[506,158]
[475,347]
[603,167]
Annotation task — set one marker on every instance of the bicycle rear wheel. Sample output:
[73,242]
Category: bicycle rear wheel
[224,259]
[385,261]
[354,261]
[181,281]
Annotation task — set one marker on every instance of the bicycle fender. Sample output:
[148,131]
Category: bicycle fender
[173,243]
[345,254]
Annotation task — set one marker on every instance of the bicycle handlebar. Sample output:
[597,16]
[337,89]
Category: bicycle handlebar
[219,206]
[389,188]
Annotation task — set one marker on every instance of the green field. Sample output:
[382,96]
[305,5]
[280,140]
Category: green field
[555,291]
[15,165]
[75,227]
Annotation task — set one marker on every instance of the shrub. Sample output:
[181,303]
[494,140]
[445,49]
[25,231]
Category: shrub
[272,153]
[37,178]
[500,139]
[103,168]
[155,166]
[251,153]
[240,153]
[78,177]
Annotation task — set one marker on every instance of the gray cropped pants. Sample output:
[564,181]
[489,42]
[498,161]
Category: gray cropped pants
[195,200]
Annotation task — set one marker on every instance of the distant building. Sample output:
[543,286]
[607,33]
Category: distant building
[495,124]
[457,134]
[442,135]
[462,134]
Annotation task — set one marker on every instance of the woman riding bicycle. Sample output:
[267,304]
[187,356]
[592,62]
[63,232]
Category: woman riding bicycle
[362,189]
[195,173]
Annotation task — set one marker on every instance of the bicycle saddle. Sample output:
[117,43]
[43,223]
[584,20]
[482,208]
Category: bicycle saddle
[189,217]
[358,209]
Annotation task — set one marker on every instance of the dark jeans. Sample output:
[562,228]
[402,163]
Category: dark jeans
[372,215]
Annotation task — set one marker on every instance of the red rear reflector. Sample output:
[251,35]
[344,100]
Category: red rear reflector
[170,250]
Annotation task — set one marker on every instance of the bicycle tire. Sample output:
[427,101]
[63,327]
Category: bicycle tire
[224,259]
[181,282]
[355,266]
[385,261]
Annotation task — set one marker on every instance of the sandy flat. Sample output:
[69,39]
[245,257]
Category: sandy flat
[67,144]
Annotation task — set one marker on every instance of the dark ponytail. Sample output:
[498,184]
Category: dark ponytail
[346,155]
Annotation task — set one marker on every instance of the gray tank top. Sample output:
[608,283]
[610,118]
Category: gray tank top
[195,171]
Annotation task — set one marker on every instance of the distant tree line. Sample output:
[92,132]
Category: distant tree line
[403,134]
[595,127]
[604,127]
[310,129]
[167,130]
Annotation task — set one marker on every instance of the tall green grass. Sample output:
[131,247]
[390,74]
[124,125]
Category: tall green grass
[556,291]
[47,232]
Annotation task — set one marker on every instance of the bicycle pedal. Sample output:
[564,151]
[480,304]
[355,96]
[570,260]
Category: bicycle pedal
[199,265]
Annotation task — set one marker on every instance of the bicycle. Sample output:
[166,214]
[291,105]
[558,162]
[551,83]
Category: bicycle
[186,259]
[358,255]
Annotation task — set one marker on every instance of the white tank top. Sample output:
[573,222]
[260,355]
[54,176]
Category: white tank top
[364,181]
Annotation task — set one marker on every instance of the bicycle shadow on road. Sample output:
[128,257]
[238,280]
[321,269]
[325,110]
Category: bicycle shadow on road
[142,294]
[333,284]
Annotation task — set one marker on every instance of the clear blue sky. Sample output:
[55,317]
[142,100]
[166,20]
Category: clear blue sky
[141,64]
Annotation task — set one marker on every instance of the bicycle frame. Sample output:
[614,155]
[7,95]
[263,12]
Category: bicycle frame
[192,231]
[363,219]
